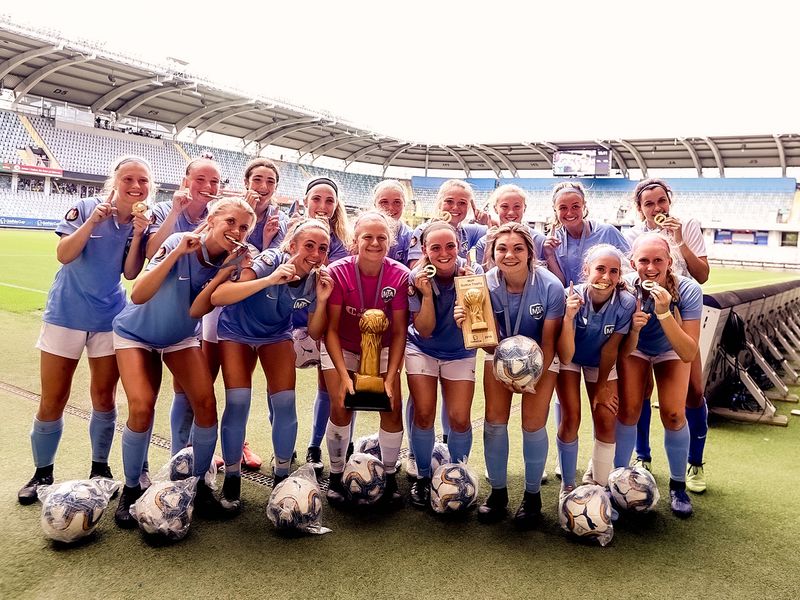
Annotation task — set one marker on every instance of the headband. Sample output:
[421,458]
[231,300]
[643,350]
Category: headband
[322,180]
[651,186]
[308,224]
[568,189]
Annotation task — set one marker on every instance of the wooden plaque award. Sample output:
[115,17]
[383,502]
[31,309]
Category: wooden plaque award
[369,385]
[479,328]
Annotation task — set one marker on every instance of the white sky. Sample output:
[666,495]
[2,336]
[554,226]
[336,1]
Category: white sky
[437,71]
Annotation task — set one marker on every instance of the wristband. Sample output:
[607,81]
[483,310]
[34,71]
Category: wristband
[663,316]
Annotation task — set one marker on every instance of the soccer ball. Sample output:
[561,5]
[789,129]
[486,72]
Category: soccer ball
[440,456]
[453,488]
[364,478]
[368,445]
[518,361]
[295,504]
[633,488]
[586,512]
[165,509]
[72,510]
[181,466]
[305,349]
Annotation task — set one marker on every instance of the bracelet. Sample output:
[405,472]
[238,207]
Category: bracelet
[663,316]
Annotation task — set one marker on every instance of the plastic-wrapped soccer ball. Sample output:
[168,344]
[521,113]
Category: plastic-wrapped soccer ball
[364,478]
[440,456]
[518,361]
[181,466]
[305,349]
[586,512]
[368,444]
[165,508]
[453,488]
[295,504]
[633,488]
[72,510]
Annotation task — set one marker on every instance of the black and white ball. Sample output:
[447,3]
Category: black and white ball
[364,478]
[306,350]
[633,488]
[453,488]
[295,504]
[518,361]
[181,465]
[368,444]
[165,509]
[586,513]
[72,510]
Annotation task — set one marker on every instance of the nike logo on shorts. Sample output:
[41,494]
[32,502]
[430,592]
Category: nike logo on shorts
[181,278]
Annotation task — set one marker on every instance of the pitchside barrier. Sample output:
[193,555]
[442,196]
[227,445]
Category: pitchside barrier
[750,347]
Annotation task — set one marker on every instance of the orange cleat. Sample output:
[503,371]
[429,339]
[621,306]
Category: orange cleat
[250,459]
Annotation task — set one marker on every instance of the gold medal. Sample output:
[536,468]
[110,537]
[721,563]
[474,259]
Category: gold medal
[429,270]
[139,208]
[648,285]
[660,218]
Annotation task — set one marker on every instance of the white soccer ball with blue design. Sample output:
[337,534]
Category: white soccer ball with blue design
[518,362]
[368,444]
[586,513]
[295,504]
[633,488]
[364,478]
[165,508]
[72,510]
[453,488]
[306,350]
[440,456]
[181,466]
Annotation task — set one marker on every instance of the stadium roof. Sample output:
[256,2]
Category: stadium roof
[43,65]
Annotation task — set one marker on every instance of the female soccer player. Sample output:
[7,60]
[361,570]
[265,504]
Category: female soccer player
[598,316]
[572,233]
[390,197]
[671,307]
[256,324]
[86,295]
[653,197]
[322,202]
[435,352]
[527,301]
[163,321]
[509,202]
[367,280]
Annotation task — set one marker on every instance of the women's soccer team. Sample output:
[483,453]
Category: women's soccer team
[225,283]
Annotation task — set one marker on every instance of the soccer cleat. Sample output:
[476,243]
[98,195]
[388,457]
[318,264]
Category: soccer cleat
[100,470]
[208,506]
[122,516]
[588,475]
[495,508]
[680,503]
[411,468]
[250,459]
[231,498]
[544,477]
[335,493]
[696,479]
[276,479]
[644,463]
[529,512]
[314,458]
[420,494]
[27,493]
[391,498]
[144,479]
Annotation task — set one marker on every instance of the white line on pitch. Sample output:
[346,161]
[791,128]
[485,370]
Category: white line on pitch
[21,287]
[748,284]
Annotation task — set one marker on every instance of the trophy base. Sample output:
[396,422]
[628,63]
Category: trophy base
[372,401]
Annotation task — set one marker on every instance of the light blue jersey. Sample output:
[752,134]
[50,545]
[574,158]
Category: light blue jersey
[159,213]
[468,236]
[652,340]
[594,328]
[266,316]
[446,342]
[257,236]
[538,244]
[87,293]
[525,313]
[399,250]
[571,252]
[164,319]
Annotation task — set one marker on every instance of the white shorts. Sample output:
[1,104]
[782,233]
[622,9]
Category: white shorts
[121,343]
[658,358]
[210,321]
[419,363]
[69,343]
[351,360]
[589,373]
[554,366]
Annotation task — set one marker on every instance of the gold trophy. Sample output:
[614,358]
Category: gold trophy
[479,328]
[369,385]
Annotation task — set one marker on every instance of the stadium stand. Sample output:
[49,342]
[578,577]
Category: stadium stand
[15,138]
[232,164]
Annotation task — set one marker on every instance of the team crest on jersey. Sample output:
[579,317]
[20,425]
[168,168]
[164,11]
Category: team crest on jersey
[269,261]
[608,330]
[388,293]
[536,311]
[162,252]
[72,214]
[411,291]
[413,241]
[300,304]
